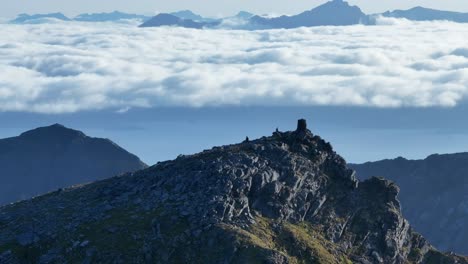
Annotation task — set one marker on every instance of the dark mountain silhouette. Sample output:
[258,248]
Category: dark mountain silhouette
[287,198]
[426,14]
[48,158]
[24,18]
[171,20]
[434,194]
[333,13]
[105,17]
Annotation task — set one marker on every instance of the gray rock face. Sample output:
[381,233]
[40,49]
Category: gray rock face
[288,198]
[49,158]
[434,195]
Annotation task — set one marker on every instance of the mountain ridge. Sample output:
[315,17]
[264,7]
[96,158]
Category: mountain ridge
[332,13]
[433,193]
[112,16]
[420,13]
[286,198]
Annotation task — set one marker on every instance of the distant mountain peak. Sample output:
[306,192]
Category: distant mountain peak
[187,14]
[53,132]
[332,13]
[164,19]
[51,157]
[420,13]
[336,4]
[24,18]
[113,16]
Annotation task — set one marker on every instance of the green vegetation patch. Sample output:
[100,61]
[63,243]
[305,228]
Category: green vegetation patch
[298,242]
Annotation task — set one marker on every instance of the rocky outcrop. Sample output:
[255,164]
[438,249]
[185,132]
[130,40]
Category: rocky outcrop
[287,198]
[48,158]
[434,195]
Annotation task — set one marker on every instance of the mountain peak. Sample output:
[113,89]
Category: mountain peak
[187,14]
[55,132]
[336,4]
[52,157]
[279,199]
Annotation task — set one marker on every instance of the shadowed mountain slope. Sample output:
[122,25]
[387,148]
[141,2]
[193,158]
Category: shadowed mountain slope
[434,194]
[48,158]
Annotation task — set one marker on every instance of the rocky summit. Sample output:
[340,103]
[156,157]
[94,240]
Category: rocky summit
[287,198]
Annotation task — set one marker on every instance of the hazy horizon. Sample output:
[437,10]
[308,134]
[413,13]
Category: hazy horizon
[211,8]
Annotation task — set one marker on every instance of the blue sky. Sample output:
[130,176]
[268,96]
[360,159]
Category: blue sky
[207,7]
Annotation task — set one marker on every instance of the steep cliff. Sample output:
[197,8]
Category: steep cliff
[433,193]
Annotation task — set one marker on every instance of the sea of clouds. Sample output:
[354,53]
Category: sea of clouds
[71,66]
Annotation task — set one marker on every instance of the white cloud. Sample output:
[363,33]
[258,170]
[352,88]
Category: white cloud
[72,66]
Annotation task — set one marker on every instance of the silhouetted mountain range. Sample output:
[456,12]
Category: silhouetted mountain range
[434,195]
[164,19]
[332,13]
[114,16]
[286,198]
[171,20]
[93,17]
[48,158]
[25,18]
[426,14]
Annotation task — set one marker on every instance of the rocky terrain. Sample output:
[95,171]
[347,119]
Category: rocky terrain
[48,158]
[434,194]
[287,198]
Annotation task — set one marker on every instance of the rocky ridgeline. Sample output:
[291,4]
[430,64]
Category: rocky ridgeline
[287,198]
[433,193]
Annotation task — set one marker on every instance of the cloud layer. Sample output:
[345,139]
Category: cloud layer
[72,66]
